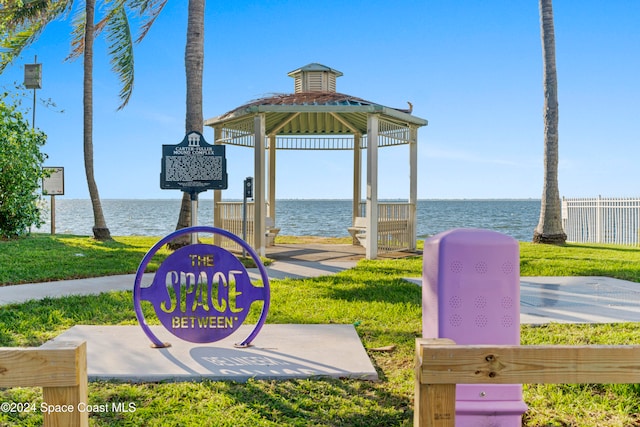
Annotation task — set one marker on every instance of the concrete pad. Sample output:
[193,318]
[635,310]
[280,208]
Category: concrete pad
[301,269]
[278,352]
[569,299]
[579,300]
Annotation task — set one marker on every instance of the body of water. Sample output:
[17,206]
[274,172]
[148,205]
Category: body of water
[516,218]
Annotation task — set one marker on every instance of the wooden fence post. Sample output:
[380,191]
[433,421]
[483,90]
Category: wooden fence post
[435,404]
[60,368]
[440,366]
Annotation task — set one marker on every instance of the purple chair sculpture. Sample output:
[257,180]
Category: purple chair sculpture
[471,294]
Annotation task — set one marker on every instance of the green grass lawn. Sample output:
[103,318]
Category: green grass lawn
[385,309]
[43,258]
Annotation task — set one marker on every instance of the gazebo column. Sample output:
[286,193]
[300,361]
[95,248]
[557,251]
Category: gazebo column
[371,246]
[357,179]
[217,194]
[413,185]
[272,178]
[259,184]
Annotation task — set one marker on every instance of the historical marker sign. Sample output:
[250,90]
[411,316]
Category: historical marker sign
[194,165]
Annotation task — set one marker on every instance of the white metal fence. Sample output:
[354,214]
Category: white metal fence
[602,220]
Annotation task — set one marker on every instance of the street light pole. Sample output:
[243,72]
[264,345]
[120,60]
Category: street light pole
[33,120]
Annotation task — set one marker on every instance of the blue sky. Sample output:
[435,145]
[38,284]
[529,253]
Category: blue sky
[473,69]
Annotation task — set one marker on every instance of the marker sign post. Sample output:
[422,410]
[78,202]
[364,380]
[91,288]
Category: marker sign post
[201,293]
[53,185]
[193,166]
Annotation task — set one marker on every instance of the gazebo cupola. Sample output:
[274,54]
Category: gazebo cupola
[315,78]
[317,117]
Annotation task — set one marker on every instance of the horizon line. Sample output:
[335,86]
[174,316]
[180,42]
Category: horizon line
[478,199]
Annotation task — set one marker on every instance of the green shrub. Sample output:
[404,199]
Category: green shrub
[20,172]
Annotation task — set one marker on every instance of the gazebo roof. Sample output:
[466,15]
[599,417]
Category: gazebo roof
[317,111]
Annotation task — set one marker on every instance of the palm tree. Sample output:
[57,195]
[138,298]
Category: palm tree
[549,228]
[100,229]
[194,65]
[21,24]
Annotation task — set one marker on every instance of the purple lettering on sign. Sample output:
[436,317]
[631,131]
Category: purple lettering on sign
[201,293]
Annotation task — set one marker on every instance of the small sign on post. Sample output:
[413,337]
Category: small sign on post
[53,185]
[53,181]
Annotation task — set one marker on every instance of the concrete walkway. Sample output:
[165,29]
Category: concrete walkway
[590,299]
[277,270]
[578,300]
[542,299]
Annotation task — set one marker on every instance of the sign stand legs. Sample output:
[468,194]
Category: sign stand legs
[53,215]
[194,217]
[248,194]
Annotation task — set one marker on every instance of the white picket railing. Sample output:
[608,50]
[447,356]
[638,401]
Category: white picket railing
[602,220]
[231,220]
[395,228]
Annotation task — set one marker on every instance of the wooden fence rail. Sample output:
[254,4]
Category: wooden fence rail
[440,365]
[60,369]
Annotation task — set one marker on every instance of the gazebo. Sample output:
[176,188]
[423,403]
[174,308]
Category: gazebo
[316,117]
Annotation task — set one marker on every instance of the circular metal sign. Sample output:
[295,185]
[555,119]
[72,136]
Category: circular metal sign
[201,293]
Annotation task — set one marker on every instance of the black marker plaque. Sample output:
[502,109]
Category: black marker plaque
[193,166]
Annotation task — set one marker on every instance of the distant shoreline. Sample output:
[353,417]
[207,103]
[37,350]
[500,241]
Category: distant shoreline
[299,217]
[325,200]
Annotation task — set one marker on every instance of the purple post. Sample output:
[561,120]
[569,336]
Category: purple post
[471,294]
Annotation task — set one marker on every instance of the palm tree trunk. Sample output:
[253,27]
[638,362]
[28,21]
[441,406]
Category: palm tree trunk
[549,229]
[194,64]
[100,230]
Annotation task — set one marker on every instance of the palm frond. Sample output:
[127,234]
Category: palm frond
[10,47]
[21,24]
[148,10]
[77,34]
[120,49]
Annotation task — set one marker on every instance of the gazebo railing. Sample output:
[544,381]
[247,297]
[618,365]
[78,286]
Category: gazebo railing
[395,227]
[231,220]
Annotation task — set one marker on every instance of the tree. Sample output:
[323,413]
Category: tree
[121,52]
[549,228]
[22,23]
[20,172]
[100,229]
[194,65]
